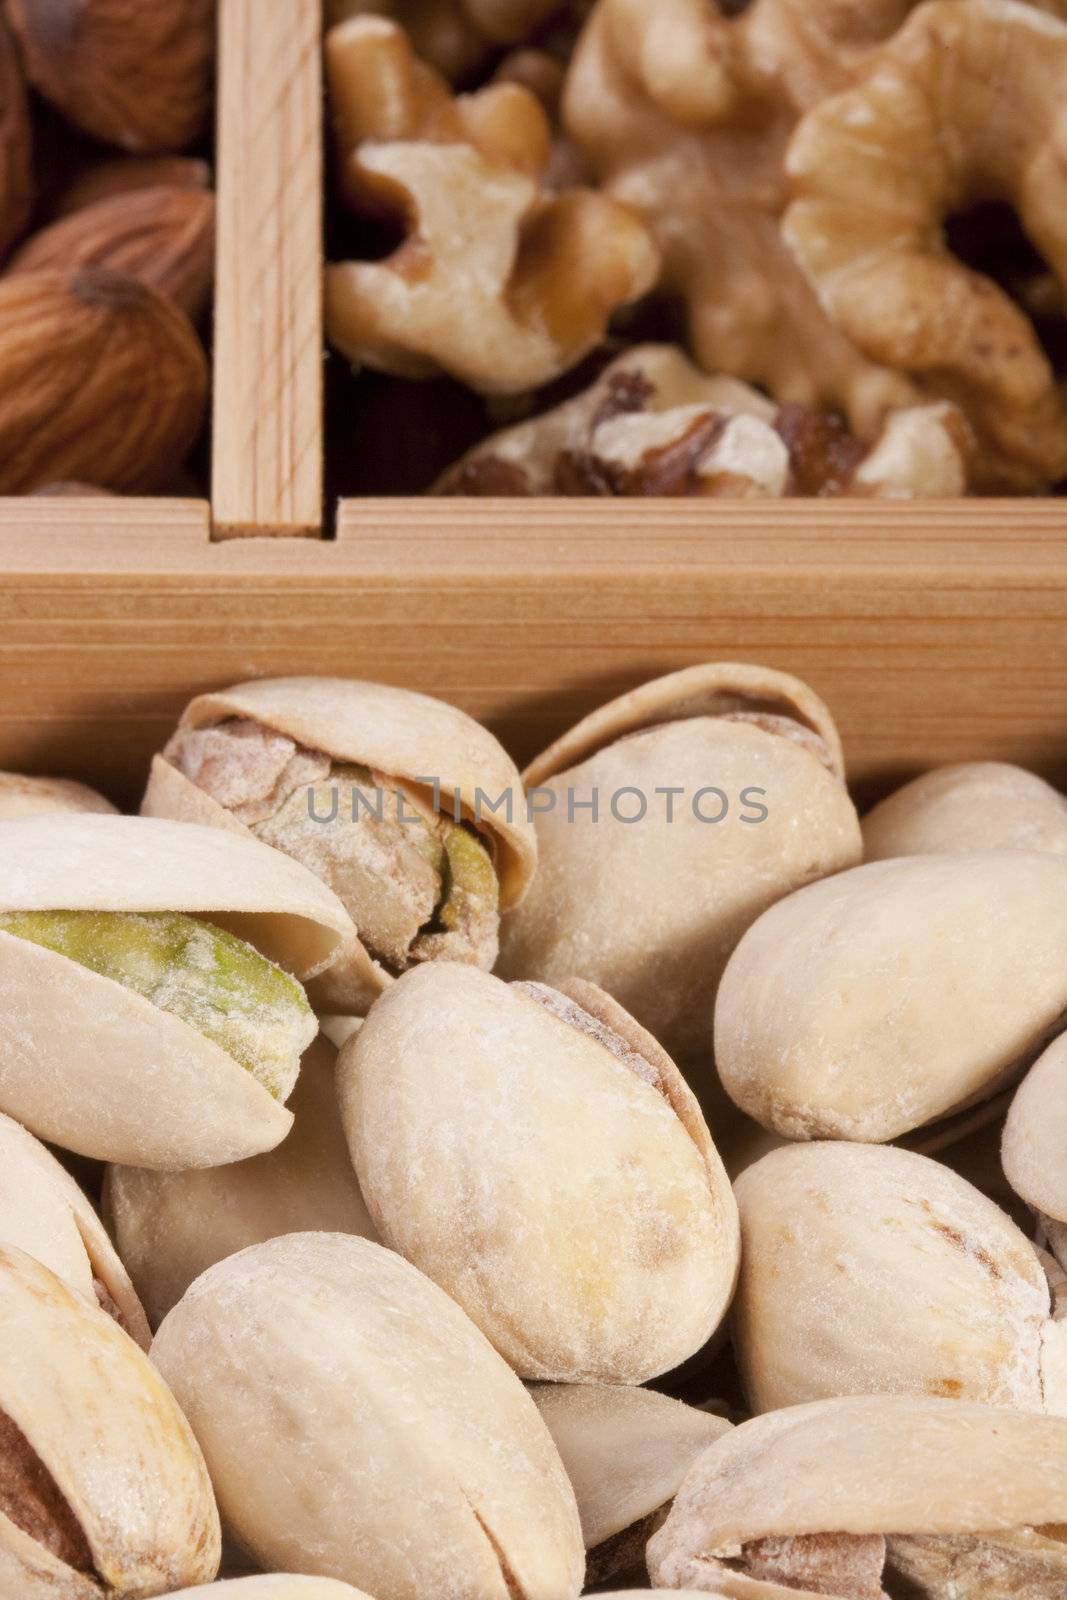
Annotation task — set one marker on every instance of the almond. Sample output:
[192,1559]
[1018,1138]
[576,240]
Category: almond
[164,237]
[139,76]
[16,183]
[100,180]
[102,379]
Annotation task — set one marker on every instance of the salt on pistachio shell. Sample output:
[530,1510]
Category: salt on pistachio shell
[423,1467]
[537,1154]
[650,910]
[104,1490]
[23,796]
[92,1066]
[1034,1149]
[974,805]
[882,999]
[625,1450]
[836,1489]
[277,1586]
[866,1269]
[397,732]
[171,1226]
[44,1213]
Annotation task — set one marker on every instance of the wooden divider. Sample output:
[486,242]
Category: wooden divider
[267,432]
[936,633]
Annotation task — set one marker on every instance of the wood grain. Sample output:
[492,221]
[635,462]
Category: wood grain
[267,432]
[935,633]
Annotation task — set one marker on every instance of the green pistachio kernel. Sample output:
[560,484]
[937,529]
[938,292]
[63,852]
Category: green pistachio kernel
[209,978]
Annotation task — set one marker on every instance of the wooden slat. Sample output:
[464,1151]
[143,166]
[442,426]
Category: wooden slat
[267,437]
[936,633]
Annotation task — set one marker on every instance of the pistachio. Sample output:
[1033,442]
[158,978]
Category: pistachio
[625,1451]
[323,1361]
[975,805]
[1035,1134]
[171,1226]
[44,1213]
[22,796]
[212,980]
[102,1488]
[868,1269]
[894,994]
[873,1496]
[738,771]
[536,1153]
[130,1029]
[406,807]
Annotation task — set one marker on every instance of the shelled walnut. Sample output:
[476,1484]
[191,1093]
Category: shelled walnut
[495,281]
[653,424]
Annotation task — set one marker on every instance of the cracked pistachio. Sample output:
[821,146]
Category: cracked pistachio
[535,1152]
[868,1269]
[44,1213]
[651,909]
[322,1361]
[975,805]
[103,1491]
[341,776]
[148,1008]
[171,1226]
[894,994]
[625,1450]
[874,1497]
[23,796]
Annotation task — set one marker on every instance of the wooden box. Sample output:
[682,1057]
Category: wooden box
[937,632]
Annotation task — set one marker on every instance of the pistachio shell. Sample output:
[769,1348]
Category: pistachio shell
[625,1451]
[879,1000]
[714,690]
[541,1158]
[651,909]
[976,805]
[45,1214]
[29,797]
[866,1466]
[92,1066]
[125,1480]
[171,1226]
[1034,1151]
[358,1426]
[277,1586]
[867,1269]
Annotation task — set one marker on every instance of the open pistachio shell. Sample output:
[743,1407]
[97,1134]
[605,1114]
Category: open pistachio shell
[537,1154]
[975,805]
[1034,1150]
[402,735]
[887,997]
[866,1269]
[91,1065]
[323,1362]
[171,1226]
[852,1492]
[22,796]
[44,1213]
[103,1490]
[277,1586]
[739,772]
[625,1450]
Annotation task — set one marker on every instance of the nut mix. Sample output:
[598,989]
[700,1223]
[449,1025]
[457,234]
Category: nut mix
[507,1178]
[106,261]
[894,301]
